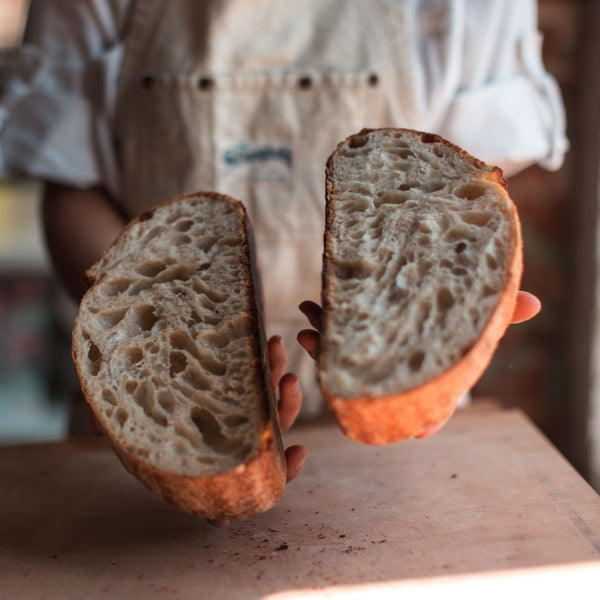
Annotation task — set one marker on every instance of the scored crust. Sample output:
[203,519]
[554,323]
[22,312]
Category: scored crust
[245,485]
[373,413]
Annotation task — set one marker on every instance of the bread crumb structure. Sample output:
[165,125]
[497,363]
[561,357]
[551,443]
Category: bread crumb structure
[421,245]
[164,337]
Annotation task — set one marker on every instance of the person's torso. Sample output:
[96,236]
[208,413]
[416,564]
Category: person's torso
[249,99]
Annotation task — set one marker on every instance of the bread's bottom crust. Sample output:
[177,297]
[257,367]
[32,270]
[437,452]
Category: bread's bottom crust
[247,490]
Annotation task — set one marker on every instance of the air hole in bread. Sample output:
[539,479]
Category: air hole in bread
[416,360]
[232,241]
[108,319]
[133,355]
[429,187]
[192,435]
[180,448]
[116,286]
[142,395]
[424,240]
[234,329]
[152,234]
[175,273]
[211,432]
[395,197]
[470,191]
[213,295]
[236,420]
[491,262]
[429,138]
[206,460]
[181,239]
[94,359]
[358,269]
[121,416]
[460,247]
[144,317]
[398,294]
[206,243]
[445,299]
[403,153]
[358,141]
[184,225]
[195,318]
[477,218]
[459,271]
[424,267]
[180,339]
[165,400]
[196,378]
[424,312]
[488,291]
[177,362]
[108,397]
[357,202]
[357,187]
[144,398]
[150,268]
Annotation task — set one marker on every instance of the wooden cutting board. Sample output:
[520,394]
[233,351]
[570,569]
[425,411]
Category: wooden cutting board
[488,497]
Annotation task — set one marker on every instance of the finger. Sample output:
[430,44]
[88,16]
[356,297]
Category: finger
[313,312]
[277,359]
[218,522]
[290,395]
[295,457]
[526,307]
[309,340]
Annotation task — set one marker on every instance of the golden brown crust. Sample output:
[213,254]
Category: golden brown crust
[384,420]
[250,488]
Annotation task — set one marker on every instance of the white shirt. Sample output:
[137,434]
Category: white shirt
[479,78]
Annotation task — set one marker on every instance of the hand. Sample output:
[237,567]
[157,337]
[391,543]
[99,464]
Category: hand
[288,407]
[290,401]
[526,307]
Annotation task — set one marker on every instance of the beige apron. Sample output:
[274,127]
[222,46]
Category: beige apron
[249,99]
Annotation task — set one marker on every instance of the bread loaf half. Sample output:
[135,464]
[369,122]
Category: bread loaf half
[170,349]
[422,264]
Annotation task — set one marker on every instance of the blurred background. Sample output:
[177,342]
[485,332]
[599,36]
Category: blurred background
[546,367]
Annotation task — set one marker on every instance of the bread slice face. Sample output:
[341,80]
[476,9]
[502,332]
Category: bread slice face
[422,264]
[170,349]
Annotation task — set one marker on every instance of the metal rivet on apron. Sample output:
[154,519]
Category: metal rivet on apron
[373,79]
[205,83]
[305,82]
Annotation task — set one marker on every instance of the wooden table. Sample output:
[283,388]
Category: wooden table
[487,507]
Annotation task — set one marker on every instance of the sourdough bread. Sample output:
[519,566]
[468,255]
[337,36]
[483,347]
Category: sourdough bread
[422,264]
[170,349]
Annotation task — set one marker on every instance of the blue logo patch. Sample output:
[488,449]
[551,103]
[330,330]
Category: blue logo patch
[269,162]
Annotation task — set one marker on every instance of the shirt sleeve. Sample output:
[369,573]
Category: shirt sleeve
[481,82]
[57,93]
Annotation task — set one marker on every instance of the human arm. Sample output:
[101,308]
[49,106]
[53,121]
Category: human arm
[79,225]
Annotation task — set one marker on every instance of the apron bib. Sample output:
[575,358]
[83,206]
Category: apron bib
[249,99]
